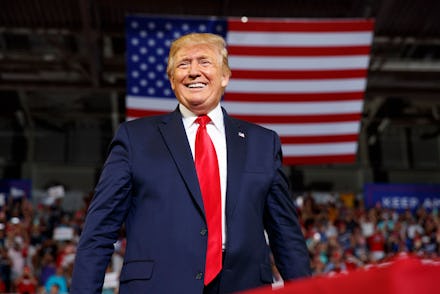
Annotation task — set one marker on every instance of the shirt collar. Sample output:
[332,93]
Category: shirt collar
[216,116]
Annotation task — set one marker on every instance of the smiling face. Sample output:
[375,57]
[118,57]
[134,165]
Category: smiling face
[198,77]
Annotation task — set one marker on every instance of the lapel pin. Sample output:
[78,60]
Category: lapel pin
[241,134]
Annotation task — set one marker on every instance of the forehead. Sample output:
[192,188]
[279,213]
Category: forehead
[197,51]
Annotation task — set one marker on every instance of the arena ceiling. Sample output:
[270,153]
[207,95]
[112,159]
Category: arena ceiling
[80,43]
[63,61]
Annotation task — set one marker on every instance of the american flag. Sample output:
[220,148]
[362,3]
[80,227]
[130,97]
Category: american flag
[304,79]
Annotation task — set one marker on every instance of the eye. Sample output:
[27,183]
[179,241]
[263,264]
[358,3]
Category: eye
[205,62]
[183,64]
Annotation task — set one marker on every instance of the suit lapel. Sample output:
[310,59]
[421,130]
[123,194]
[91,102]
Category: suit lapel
[175,138]
[174,135]
[236,153]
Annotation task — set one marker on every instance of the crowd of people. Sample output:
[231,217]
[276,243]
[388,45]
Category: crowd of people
[343,237]
[37,246]
[340,238]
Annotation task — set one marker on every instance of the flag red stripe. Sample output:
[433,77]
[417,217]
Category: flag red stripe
[236,24]
[298,51]
[293,97]
[302,160]
[298,74]
[264,119]
[133,112]
[319,139]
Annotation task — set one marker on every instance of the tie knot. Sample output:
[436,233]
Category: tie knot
[203,120]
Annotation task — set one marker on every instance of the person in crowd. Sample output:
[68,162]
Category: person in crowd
[197,189]
[15,253]
[57,279]
[336,263]
[5,269]
[376,245]
[2,286]
[26,283]
[47,267]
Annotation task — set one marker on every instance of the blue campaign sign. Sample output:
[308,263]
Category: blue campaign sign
[401,197]
[14,188]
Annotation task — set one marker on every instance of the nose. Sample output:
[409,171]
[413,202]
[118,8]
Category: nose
[194,70]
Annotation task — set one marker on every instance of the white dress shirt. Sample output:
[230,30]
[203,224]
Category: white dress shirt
[216,130]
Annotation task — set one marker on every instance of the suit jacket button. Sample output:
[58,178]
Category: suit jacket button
[203,232]
[199,276]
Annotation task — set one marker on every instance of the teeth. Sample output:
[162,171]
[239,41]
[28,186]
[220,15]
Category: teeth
[196,85]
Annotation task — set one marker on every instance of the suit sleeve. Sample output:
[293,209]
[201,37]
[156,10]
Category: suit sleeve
[282,225]
[105,217]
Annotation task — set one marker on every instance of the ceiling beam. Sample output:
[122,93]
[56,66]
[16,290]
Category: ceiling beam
[92,41]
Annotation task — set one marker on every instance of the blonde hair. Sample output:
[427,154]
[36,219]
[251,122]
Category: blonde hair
[199,38]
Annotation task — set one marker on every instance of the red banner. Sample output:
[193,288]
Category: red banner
[403,276]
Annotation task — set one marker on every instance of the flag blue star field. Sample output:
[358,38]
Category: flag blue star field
[304,79]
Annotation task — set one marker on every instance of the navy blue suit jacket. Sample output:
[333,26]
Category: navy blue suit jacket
[149,182]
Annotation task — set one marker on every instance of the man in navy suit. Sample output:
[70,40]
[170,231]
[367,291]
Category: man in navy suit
[149,182]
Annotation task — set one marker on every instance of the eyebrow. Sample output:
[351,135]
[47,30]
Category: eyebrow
[197,58]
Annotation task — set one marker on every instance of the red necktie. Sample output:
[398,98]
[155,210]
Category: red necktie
[209,180]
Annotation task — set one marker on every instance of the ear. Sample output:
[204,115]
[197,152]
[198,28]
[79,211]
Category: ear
[225,79]
[170,78]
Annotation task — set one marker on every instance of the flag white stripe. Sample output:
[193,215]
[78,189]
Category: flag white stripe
[319,149]
[319,39]
[314,129]
[293,108]
[296,86]
[257,108]
[155,104]
[297,63]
